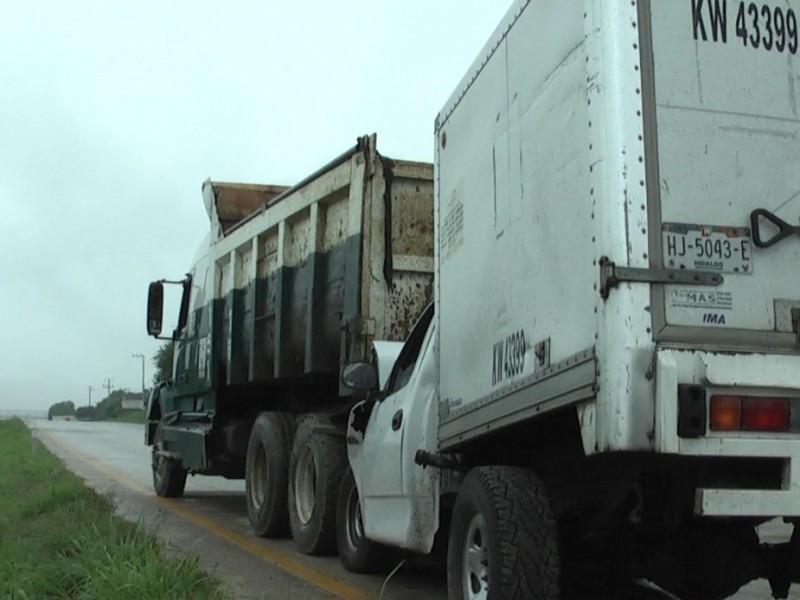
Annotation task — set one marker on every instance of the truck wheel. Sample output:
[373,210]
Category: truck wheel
[503,539]
[169,477]
[267,474]
[315,471]
[357,553]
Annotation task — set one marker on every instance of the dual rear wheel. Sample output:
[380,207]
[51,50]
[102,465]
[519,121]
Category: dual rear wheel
[298,482]
[266,474]
[316,466]
[292,480]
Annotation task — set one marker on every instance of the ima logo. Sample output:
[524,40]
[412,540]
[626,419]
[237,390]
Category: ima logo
[714,318]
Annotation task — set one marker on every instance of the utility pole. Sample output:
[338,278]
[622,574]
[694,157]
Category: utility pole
[90,395]
[108,385]
[144,400]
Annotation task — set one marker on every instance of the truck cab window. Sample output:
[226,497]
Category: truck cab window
[183,315]
[408,357]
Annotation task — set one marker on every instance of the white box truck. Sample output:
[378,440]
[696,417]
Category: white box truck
[607,385]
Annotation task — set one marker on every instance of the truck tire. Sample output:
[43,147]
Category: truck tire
[267,474]
[169,477]
[503,538]
[315,471]
[357,553]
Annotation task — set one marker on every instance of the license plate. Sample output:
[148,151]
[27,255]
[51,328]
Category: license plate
[707,248]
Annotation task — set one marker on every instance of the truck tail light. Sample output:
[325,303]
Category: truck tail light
[726,413]
[766,414]
[752,413]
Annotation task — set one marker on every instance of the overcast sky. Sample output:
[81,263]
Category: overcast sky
[113,113]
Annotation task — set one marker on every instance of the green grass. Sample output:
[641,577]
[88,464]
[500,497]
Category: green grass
[60,540]
[130,416]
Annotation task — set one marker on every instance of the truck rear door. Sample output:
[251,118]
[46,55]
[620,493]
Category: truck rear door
[723,125]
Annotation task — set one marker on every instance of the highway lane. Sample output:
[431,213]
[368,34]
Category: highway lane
[211,520]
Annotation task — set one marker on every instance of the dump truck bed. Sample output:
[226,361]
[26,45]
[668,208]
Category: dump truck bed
[312,274]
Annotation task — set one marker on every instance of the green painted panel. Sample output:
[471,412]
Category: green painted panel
[188,440]
[240,332]
[263,368]
[284,326]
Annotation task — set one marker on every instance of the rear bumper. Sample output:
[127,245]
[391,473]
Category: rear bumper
[744,373]
[746,503]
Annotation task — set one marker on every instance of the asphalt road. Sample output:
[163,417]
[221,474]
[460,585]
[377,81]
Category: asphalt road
[211,521]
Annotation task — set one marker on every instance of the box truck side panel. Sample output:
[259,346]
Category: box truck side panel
[726,125]
[516,292]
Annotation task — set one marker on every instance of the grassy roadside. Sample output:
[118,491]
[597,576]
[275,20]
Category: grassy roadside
[129,416]
[59,539]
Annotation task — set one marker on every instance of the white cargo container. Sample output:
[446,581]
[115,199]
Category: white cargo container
[609,378]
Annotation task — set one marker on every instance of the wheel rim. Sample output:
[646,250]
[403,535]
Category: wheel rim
[159,469]
[354,524]
[259,478]
[475,560]
[305,485]
[159,464]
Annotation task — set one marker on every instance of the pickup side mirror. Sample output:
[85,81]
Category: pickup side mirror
[360,376]
[155,308]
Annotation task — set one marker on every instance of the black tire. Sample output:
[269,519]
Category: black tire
[169,476]
[503,524]
[357,553]
[267,475]
[315,471]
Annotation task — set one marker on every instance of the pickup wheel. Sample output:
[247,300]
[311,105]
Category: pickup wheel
[169,477]
[267,474]
[315,471]
[503,538]
[357,553]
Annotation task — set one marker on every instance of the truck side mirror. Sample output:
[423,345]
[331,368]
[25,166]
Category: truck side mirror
[155,308]
[360,376]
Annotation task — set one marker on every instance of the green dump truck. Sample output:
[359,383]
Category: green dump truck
[289,285]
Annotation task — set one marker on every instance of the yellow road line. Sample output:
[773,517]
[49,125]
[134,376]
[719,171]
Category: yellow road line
[250,545]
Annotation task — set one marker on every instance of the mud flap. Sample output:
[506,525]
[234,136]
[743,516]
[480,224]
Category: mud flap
[781,564]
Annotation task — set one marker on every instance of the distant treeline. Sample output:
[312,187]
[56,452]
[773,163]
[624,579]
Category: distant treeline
[108,408]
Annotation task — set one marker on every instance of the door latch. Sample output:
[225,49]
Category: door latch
[784,230]
[611,276]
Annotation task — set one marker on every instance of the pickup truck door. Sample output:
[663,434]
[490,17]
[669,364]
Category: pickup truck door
[383,463]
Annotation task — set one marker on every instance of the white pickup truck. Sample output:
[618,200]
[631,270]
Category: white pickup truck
[607,385]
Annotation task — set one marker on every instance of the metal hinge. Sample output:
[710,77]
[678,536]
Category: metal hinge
[611,275]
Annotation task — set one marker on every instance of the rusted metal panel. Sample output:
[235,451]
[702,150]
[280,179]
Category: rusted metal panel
[398,247]
[229,203]
[335,219]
